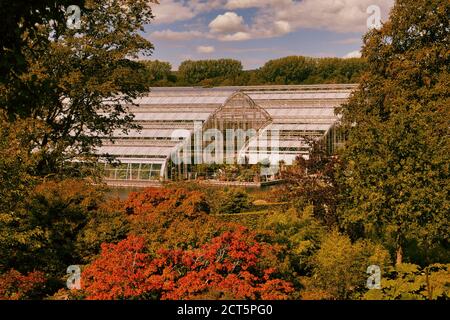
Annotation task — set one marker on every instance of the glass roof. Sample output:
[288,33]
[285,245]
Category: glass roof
[162,152]
[302,112]
[171,116]
[164,110]
[299,127]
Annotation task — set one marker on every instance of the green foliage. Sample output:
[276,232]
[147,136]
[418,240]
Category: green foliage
[102,226]
[78,81]
[395,172]
[17,181]
[234,201]
[251,220]
[336,70]
[41,233]
[194,72]
[19,18]
[312,182]
[160,72]
[305,70]
[340,266]
[301,235]
[410,282]
[60,210]
[289,70]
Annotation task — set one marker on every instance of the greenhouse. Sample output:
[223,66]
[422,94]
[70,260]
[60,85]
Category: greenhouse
[182,128]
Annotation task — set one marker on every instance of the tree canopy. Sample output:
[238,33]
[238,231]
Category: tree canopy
[77,82]
[395,173]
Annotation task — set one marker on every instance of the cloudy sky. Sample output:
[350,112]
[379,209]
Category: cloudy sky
[254,31]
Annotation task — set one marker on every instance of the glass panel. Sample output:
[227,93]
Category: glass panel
[154,175]
[135,171]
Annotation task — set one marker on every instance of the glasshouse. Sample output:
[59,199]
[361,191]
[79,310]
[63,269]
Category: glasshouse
[183,129]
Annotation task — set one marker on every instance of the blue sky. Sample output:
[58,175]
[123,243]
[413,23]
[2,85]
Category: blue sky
[255,31]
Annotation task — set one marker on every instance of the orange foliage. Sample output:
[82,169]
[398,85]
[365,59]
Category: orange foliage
[229,267]
[174,201]
[16,286]
[120,272]
[172,218]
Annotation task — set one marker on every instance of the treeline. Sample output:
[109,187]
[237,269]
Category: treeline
[228,72]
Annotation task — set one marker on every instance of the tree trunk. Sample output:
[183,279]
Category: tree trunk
[399,257]
[429,287]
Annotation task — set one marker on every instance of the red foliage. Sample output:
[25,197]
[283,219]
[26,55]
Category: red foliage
[174,201]
[230,267]
[120,272]
[16,286]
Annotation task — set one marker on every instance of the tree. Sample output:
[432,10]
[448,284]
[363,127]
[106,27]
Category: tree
[299,233]
[229,267]
[312,181]
[17,181]
[340,266]
[176,202]
[102,226]
[288,70]
[172,218]
[395,166]
[21,17]
[160,71]
[17,286]
[194,72]
[78,82]
[234,201]
[42,230]
[410,282]
[337,70]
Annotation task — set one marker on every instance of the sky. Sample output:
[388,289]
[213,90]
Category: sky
[255,31]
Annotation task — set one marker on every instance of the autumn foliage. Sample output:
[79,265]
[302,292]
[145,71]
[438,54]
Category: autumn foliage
[17,286]
[172,218]
[178,202]
[231,266]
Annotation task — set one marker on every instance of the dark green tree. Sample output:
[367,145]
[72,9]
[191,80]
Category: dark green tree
[288,70]
[194,72]
[159,71]
[395,173]
[234,201]
[19,17]
[78,82]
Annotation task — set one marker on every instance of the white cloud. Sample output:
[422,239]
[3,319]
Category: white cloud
[206,49]
[282,27]
[353,54]
[273,18]
[170,11]
[243,4]
[338,16]
[228,22]
[231,27]
[238,36]
[176,35]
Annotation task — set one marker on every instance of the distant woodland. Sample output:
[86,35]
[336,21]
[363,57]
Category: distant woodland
[229,72]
